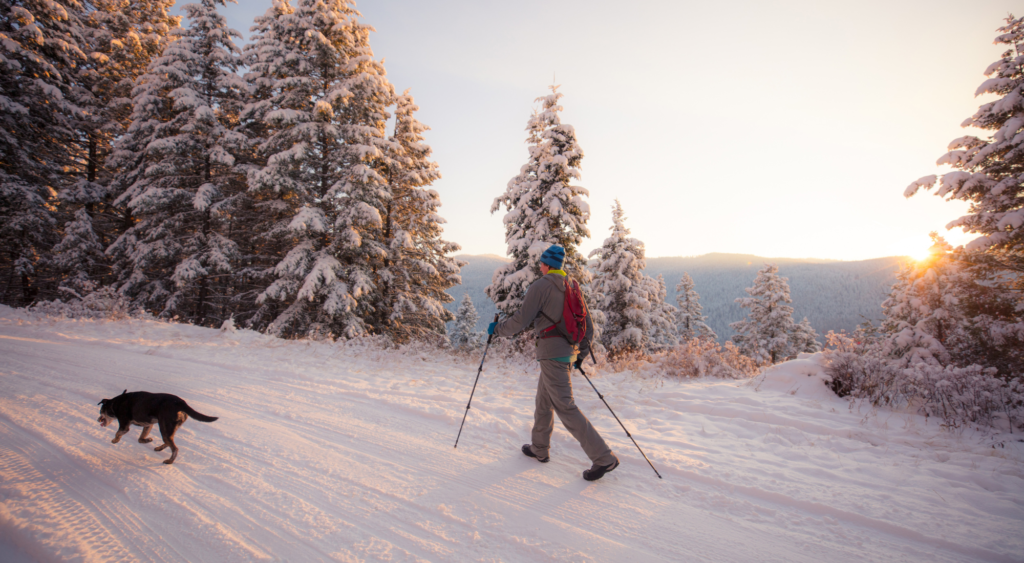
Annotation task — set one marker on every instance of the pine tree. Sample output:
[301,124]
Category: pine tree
[690,320]
[980,286]
[663,315]
[989,173]
[921,311]
[319,114]
[416,270]
[804,338]
[939,313]
[177,257]
[542,207]
[620,292]
[464,334]
[764,335]
[40,46]
[122,38]
[79,255]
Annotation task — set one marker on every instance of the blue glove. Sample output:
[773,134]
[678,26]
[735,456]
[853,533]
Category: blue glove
[490,328]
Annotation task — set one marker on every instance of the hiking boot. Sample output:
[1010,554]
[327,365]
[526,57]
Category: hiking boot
[527,450]
[598,471]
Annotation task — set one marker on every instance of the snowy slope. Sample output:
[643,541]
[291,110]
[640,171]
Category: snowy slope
[343,452]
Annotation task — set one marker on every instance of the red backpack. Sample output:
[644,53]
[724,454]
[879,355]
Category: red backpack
[574,313]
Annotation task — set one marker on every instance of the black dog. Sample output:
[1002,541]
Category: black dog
[146,409]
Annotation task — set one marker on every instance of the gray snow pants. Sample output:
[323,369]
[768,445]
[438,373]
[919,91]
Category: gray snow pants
[554,395]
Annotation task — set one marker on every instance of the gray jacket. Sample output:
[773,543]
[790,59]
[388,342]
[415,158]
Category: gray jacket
[548,295]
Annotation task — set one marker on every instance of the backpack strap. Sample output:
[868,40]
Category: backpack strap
[549,332]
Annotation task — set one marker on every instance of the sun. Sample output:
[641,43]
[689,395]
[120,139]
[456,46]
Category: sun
[921,255]
[917,248]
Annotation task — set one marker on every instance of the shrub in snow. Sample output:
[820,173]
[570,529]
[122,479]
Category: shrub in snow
[703,357]
[869,367]
[859,369]
[543,207]
[104,303]
[971,394]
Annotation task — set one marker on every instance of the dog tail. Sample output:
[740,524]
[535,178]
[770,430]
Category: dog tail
[196,414]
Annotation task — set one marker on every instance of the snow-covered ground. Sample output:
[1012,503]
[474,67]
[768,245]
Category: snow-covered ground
[329,451]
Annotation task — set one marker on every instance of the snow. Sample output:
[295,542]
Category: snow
[343,451]
[802,377]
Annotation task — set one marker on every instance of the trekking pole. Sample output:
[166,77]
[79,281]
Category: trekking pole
[580,367]
[486,346]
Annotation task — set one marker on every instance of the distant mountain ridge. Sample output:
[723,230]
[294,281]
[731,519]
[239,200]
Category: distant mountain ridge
[832,294]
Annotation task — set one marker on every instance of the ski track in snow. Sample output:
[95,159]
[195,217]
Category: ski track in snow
[343,452]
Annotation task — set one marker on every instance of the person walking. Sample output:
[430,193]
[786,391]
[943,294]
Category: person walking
[543,307]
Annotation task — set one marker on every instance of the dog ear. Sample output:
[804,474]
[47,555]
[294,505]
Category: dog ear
[124,392]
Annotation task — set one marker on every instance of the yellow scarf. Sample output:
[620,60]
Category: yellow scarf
[559,272]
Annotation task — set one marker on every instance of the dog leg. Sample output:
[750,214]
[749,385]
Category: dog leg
[144,437]
[117,437]
[174,454]
[167,430]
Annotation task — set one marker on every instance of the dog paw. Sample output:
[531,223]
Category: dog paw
[168,461]
[145,440]
[115,440]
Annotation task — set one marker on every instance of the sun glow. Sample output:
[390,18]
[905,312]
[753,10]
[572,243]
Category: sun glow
[917,248]
[920,255]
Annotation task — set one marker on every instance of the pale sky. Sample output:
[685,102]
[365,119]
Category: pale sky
[783,129]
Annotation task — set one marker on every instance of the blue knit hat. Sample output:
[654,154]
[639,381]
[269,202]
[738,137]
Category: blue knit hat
[553,256]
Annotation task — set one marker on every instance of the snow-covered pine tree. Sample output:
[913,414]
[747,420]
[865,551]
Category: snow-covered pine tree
[79,257]
[619,291]
[690,320]
[987,275]
[319,113]
[40,46]
[121,39]
[543,207]
[804,338]
[412,278]
[921,313]
[764,335]
[663,315]
[989,173]
[464,334]
[177,258]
